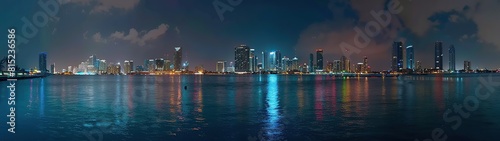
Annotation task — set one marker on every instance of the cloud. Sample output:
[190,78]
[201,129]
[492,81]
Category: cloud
[177,30]
[85,35]
[74,1]
[105,5]
[98,38]
[100,6]
[487,21]
[328,35]
[135,37]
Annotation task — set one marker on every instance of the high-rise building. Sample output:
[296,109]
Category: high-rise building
[159,64]
[278,63]
[256,63]
[451,60]
[285,64]
[241,57]
[319,59]
[265,64]
[220,67]
[397,56]
[126,67]
[410,58]
[467,66]
[311,62]
[42,62]
[272,61]
[151,65]
[102,66]
[70,69]
[178,59]
[252,60]
[359,68]
[419,66]
[329,66]
[345,64]
[438,55]
[167,65]
[295,64]
[337,66]
[53,68]
[365,65]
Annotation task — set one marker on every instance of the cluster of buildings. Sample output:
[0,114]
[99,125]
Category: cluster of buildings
[248,61]
[158,66]
[403,60]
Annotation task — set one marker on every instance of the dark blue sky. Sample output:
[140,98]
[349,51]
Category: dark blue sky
[118,30]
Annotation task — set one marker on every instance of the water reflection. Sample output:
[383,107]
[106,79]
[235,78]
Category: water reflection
[273,130]
[234,107]
[42,97]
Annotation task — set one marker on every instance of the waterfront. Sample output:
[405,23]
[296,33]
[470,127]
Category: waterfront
[245,107]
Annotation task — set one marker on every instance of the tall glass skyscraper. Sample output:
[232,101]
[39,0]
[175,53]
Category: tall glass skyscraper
[278,60]
[178,59]
[438,55]
[311,62]
[42,62]
[273,63]
[397,56]
[451,60]
[319,59]
[410,58]
[252,60]
[242,58]
[265,64]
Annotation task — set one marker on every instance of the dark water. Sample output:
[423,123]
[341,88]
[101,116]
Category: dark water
[258,107]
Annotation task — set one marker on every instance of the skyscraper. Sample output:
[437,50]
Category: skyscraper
[42,62]
[359,68]
[273,63]
[127,67]
[311,62]
[265,64]
[451,60]
[438,55]
[151,65]
[467,66]
[220,68]
[167,65]
[410,58]
[53,68]
[146,65]
[178,59]
[241,57]
[278,60]
[285,65]
[102,66]
[319,59]
[252,60]
[295,64]
[397,56]
[343,61]
[419,66]
[329,66]
[365,65]
[159,64]
[337,66]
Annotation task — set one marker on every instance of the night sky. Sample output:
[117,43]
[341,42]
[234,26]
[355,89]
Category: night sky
[118,30]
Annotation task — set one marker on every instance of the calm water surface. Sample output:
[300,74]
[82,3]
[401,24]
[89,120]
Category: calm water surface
[253,107]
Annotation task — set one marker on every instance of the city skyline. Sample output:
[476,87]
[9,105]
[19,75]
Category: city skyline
[325,24]
[402,58]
